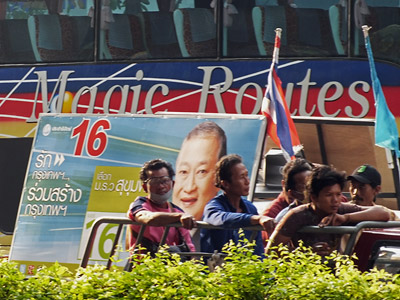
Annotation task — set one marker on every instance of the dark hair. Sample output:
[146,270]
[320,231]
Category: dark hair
[323,176]
[224,168]
[209,128]
[293,167]
[153,165]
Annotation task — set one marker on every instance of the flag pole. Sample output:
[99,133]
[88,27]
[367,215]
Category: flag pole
[365,29]
[277,45]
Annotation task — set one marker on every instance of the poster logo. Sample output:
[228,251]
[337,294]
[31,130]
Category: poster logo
[46,130]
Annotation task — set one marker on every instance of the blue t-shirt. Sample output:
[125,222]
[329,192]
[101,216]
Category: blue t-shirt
[220,212]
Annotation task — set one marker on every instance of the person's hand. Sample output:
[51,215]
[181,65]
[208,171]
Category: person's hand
[322,248]
[267,223]
[188,221]
[333,220]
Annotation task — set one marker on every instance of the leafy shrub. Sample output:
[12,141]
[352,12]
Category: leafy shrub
[10,280]
[242,276]
[300,274]
[48,283]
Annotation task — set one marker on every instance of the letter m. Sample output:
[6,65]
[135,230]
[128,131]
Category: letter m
[42,86]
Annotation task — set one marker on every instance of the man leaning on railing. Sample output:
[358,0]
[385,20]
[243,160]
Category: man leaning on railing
[230,210]
[324,192]
[155,211]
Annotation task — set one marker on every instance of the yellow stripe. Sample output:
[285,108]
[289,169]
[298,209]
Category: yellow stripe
[143,144]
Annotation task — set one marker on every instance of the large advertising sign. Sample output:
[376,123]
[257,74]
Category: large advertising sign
[84,167]
[323,88]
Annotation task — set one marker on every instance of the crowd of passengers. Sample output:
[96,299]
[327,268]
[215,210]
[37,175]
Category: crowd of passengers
[311,195]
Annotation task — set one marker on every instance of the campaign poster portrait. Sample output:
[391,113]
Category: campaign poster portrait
[85,167]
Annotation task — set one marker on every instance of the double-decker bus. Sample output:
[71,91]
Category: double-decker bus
[145,56]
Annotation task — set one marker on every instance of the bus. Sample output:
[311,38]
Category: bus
[188,56]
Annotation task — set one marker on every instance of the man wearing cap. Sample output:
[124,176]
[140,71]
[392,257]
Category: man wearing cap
[325,208]
[365,185]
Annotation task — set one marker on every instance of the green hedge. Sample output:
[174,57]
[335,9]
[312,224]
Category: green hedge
[293,275]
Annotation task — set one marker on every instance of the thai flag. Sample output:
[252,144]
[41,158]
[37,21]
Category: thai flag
[280,126]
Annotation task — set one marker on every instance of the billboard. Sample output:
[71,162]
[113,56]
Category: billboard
[86,166]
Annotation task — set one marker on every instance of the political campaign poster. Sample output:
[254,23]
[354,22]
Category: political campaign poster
[86,166]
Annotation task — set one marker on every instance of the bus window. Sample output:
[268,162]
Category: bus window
[160,35]
[238,31]
[14,35]
[59,31]
[384,19]
[57,38]
[76,8]
[339,25]
[121,30]
[266,2]
[322,4]
[122,38]
[24,9]
[196,32]
[306,30]
[185,4]
[15,44]
[142,30]
[43,31]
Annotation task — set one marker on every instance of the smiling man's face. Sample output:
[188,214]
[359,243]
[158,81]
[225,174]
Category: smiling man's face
[195,174]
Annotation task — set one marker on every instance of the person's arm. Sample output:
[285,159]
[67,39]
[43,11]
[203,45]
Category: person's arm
[276,239]
[367,213]
[164,218]
[266,222]
[285,230]
[216,214]
[281,214]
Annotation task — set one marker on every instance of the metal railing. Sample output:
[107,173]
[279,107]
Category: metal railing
[352,230]
[121,221]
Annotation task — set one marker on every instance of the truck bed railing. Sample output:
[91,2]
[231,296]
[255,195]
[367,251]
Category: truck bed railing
[352,230]
[121,221]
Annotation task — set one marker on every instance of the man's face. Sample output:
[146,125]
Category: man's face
[328,200]
[297,193]
[239,184]
[363,193]
[195,174]
[158,182]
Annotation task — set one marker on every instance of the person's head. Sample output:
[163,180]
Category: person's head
[157,180]
[195,167]
[294,178]
[324,189]
[365,185]
[232,176]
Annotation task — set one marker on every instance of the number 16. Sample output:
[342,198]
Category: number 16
[95,138]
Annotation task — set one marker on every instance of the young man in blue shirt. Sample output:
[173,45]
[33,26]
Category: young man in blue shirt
[230,209]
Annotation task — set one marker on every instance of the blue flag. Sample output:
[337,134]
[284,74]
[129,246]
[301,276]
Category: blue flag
[386,134]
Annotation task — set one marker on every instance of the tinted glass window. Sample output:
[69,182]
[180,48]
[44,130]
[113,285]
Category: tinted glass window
[131,30]
[383,16]
[388,259]
[45,31]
